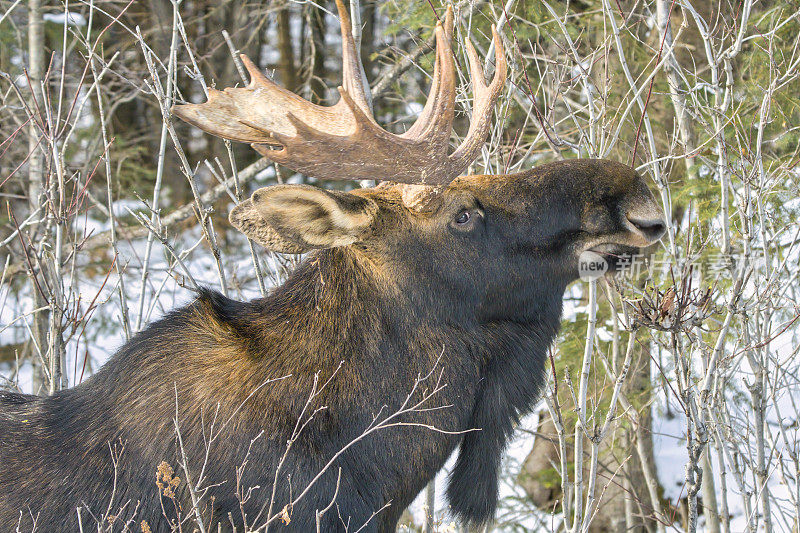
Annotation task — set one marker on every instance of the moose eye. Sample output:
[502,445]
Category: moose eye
[463,217]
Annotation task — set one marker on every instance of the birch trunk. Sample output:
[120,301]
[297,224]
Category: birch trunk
[36,194]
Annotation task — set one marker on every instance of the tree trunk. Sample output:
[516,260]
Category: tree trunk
[710,507]
[369,14]
[430,506]
[36,193]
[317,72]
[286,65]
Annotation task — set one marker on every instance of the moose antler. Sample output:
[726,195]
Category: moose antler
[343,141]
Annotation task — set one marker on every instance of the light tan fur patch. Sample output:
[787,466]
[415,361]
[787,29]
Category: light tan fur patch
[313,216]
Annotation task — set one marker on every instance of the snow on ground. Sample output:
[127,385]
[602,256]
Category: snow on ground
[68,17]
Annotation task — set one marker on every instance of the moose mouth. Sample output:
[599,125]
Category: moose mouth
[617,256]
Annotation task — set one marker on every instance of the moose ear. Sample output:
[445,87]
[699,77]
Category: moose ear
[245,218]
[302,218]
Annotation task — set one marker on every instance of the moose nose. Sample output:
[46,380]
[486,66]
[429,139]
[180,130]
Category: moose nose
[652,228]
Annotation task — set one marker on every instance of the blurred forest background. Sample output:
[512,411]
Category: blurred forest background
[673,400]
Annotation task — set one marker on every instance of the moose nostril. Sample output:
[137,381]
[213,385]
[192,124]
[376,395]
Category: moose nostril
[652,228]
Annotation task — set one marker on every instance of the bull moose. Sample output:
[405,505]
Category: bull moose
[417,324]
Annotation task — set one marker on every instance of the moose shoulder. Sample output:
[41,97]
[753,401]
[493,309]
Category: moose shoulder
[457,280]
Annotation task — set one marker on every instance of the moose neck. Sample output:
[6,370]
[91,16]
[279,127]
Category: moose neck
[486,374]
[340,308]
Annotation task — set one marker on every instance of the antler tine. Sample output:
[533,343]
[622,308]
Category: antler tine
[421,198]
[484,99]
[435,122]
[352,69]
[260,112]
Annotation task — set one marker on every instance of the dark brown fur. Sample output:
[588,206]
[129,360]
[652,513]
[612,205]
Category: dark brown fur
[479,304]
